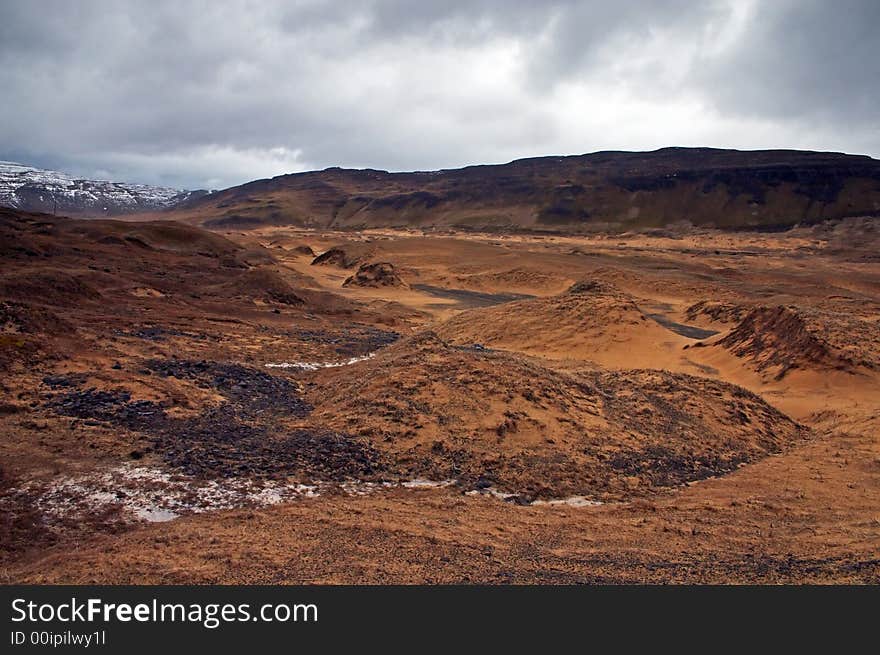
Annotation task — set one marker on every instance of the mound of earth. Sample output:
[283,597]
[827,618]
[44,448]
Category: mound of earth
[345,256]
[29,235]
[24,318]
[247,257]
[597,287]
[380,274]
[591,321]
[304,250]
[490,419]
[525,280]
[780,339]
[47,286]
[24,328]
[265,284]
[166,236]
[717,312]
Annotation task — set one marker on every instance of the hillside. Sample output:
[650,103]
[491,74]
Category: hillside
[484,418]
[39,190]
[767,189]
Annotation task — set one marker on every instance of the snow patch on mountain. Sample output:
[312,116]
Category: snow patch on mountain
[36,189]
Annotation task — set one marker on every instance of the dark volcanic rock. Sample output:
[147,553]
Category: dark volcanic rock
[251,390]
[238,437]
[218,443]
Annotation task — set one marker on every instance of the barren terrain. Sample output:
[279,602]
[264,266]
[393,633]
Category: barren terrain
[766,189]
[289,405]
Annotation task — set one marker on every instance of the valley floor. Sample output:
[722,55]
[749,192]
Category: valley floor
[187,407]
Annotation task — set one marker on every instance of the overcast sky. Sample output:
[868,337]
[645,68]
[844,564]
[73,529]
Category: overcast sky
[212,94]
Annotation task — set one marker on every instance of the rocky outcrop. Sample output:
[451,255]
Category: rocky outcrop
[380,274]
[346,256]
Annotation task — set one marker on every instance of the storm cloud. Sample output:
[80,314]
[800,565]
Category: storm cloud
[211,94]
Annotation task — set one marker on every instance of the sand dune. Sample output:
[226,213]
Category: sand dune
[592,321]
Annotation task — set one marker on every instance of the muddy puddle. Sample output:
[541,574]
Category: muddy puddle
[470,299]
[689,331]
[656,311]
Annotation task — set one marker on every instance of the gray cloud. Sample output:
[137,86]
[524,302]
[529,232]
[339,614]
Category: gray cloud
[811,59]
[214,94]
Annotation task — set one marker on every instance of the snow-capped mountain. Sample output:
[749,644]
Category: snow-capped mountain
[35,189]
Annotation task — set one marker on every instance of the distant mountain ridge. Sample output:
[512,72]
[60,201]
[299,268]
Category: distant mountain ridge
[705,186]
[35,189]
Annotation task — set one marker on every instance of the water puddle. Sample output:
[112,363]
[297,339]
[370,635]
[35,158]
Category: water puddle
[689,331]
[470,298]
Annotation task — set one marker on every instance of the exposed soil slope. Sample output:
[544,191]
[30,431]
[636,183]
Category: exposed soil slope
[779,339]
[70,284]
[485,418]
